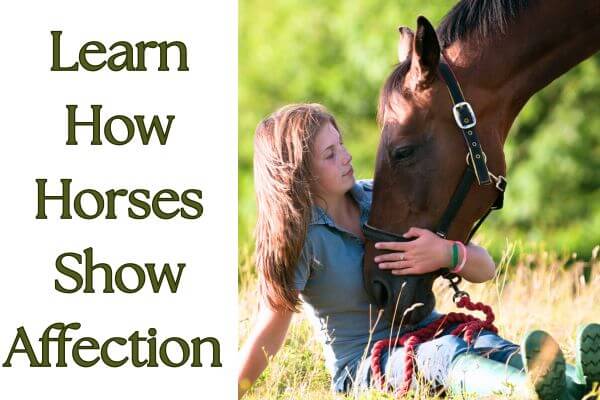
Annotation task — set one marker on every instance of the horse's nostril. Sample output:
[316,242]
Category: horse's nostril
[381,293]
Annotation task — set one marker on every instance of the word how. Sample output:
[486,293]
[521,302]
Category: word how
[125,122]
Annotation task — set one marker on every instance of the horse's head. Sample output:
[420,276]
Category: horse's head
[420,161]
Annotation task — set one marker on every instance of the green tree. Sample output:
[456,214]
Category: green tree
[339,53]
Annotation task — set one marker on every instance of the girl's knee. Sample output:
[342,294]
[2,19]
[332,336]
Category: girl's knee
[447,346]
[487,339]
[495,347]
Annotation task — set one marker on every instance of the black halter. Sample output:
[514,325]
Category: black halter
[476,168]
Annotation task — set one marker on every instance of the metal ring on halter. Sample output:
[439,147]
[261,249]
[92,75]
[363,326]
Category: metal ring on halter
[499,180]
[469,157]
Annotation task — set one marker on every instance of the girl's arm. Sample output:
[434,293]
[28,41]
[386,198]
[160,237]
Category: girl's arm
[266,338]
[428,252]
[480,266]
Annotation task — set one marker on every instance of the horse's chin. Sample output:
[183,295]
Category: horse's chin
[418,313]
[416,300]
[405,300]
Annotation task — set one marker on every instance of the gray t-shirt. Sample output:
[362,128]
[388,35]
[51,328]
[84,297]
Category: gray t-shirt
[329,277]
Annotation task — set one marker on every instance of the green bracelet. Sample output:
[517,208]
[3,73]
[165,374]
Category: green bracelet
[454,255]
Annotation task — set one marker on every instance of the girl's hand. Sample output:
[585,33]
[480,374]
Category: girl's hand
[427,253]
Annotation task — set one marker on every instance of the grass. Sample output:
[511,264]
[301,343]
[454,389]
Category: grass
[535,290]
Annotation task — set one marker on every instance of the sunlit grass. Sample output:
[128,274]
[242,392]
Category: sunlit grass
[539,290]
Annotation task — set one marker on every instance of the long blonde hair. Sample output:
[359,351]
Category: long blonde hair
[282,145]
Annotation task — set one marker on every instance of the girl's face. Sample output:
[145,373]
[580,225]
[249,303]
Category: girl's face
[331,164]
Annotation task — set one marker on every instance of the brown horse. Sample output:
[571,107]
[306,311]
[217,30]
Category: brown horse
[502,52]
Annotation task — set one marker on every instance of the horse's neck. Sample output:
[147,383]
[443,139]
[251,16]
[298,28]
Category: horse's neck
[547,40]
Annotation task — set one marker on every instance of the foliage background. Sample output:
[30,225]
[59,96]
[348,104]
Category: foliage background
[338,53]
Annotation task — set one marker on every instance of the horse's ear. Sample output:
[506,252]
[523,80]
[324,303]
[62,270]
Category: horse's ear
[405,43]
[425,53]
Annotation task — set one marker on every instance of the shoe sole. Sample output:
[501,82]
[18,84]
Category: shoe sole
[588,356]
[545,365]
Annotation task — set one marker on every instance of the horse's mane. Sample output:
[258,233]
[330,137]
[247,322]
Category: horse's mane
[478,19]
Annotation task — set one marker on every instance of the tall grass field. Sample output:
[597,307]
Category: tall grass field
[536,290]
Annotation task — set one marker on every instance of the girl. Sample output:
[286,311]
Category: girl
[309,249]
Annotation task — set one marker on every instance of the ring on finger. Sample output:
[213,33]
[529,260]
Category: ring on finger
[401,256]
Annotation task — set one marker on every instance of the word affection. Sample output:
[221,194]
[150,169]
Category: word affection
[77,271]
[137,344]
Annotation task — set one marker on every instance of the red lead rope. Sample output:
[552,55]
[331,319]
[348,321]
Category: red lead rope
[468,327]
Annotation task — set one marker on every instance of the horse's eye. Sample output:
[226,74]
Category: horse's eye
[403,153]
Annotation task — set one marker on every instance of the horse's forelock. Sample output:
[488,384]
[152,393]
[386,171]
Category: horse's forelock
[394,83]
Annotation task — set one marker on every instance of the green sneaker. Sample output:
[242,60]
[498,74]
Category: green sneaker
[544,364]
[588,355]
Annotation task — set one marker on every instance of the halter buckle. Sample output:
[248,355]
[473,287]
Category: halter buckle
[464,115]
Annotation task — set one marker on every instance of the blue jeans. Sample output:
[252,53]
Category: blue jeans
[433,359]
